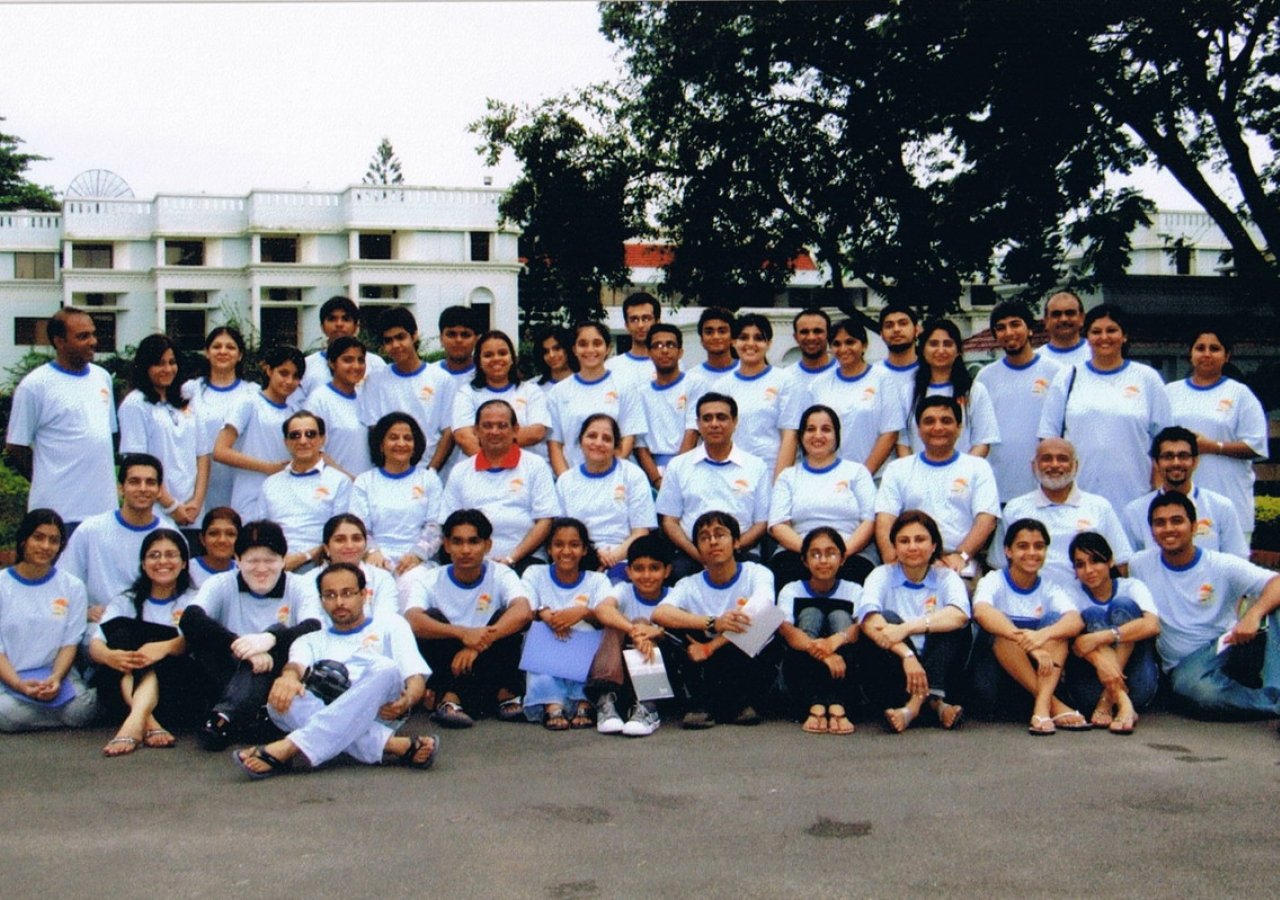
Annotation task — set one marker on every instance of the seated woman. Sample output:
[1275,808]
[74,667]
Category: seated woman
[721,681]
[141,657]
[610,495]
[1120,625]
[821,640]
[913,614]
[345,541]
[823,490]
[239,628]
[398,500]
[1027,624]
[218,532]
[564,598]
[42,622]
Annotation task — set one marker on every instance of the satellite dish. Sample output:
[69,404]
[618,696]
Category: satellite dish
[98,183]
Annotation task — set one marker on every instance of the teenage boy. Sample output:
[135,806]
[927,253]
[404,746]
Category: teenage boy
[385,675]
[1017,386]
[640,312]
[469,617]
[715,333]
[410,385]
[339,317]
[103,552]
[664,400]
[460,328]
[720,680]
[1221,661]
[629,615]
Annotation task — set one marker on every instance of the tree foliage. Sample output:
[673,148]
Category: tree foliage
[384,168]
[916,145]
[16,192]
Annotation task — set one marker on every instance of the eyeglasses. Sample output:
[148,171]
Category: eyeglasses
[833,553]
[347,593]
[1184,456]
[310,434]
[157,555]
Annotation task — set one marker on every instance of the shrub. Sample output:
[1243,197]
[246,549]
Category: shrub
[1266,533]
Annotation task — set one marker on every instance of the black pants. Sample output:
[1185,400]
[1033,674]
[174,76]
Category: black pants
[943,659]
[809,681]
[184,693]
[727,682]
[494,670]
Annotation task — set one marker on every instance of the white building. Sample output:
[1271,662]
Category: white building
[182,264]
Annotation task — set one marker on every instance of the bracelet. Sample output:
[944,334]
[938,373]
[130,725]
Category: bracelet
[1115,637]
[711,625]
[1222,448]
[168,510]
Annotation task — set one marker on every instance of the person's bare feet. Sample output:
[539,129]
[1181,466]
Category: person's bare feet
[817,721]
[120,745]
[1102,715]
[899,719]
[838,721]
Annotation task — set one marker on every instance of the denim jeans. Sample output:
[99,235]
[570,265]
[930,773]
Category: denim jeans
[1142,672]
[994,691]
[1201,681]
[943,660]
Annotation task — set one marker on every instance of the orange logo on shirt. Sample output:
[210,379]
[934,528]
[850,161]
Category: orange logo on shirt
[582,600]
[482,602]
[681,402]
[740,486]
[1038,611]
[1204,596]
[842,487]
[742,602]
[418,492]
[282,615]
[517,485]
[770,395]
[620,494]
[321,493]
[104,396]
[370,642]
[520,403]
[427,394]
[960,487]
[868,394]
[1131,392]
[59,608]
[1084,525]
[611,398]
[1204,527]
[1225,405]
[930,604]
[177,617]
[1039,386]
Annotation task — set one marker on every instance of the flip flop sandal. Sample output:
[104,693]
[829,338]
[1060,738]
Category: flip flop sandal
[555,721]
[838,722]
[275,766]
[907,717]
[409,757]
[451,715]
[819,720]
[159,739]
[511,710]
[583,716]
[1083,725]
[1038,727]
[122,740]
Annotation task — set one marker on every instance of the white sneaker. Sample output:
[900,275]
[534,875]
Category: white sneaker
[642,722]
[607,719]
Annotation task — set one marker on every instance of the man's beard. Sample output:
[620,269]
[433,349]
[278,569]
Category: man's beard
[1055,484]
[899,348]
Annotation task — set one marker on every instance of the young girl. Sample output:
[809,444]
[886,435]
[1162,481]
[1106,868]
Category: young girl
[1029,625]
[594,389]
[140,652]
[218,533]
[338,403]
[822,637]
[552,357]
[251,440]
[214,396]
[563,596]
[156,418]
[769,404]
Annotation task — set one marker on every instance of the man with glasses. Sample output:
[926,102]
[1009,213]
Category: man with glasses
[1064,319]
[1176,454]
[640,312]
[665,400]
[306,493]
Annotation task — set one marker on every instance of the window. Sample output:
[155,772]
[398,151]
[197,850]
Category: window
[105,325]
[184,253]
[282,295]
[91,256]
[34,266]
[29,331]
[186,328]
[480,246]
[379,292]
[279,326]
[187,298]
[279,249]
[375,246]
[1182,259]
[97,299]
[982,295]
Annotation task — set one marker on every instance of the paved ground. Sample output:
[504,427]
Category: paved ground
[1181,809]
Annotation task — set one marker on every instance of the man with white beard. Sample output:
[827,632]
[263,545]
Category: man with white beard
[1064,509]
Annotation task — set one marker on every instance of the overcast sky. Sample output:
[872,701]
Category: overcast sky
[229,97]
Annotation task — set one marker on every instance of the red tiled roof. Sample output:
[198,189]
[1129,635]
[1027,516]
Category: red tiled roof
[653,256]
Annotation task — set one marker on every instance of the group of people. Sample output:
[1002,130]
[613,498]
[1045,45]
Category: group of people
[355,537]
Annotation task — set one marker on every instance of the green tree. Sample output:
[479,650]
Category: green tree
[384,168]
[16,192]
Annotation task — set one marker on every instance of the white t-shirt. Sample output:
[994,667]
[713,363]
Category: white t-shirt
[768,402]
[176,437]
[867,406]
[573,400]
[527,399]
[997,589]
[1226,411]
[546,591]
[225,600]
[380,637]
[396,508]
[1111,418]
[302,503]
[796,595]
[39,618]
[512,498]
[632,605]
[1079,354]
[67,419]
[213,404]
[902,381]
[1217,525]
[751,586]
[104,553]
[318,373]
[1122,589]
[157,612]
[842,495]
[632,371]
[346,437]
[954,492]
[694,483]
[466,605]
[1017,394]
[610,504]
[665,407]
[426,394]
[704,379]
[200,573]
[259,427]
[887,589]
[1080,512]
[1197,603]
[979,425]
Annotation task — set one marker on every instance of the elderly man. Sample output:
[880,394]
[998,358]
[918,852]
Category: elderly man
[306,493]
[1063,319]
[515,488]
[1064,509]
[1176,455]
[378,678]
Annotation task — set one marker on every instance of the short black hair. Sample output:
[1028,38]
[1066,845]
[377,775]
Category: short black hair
[933,400]
[1171,498]
[715,517]
[811,311]
[340,567]
[397,317]
[894,308]
[1012,309]
[341,345]
[473,517]
[642,298]
[133,460]
[339,303]
[459,317]
[1172,435]
[664,328]
[715,397]
[651,546]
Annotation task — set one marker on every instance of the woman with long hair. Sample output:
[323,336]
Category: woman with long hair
[942,371]
[214,395]
[497,377]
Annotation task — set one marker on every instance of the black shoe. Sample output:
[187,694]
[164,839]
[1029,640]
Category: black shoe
[747,716]
[216,733]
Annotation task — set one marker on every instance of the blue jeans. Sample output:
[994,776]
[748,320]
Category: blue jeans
[994,690]
[818,623]
[1142,672]
[1201,680]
